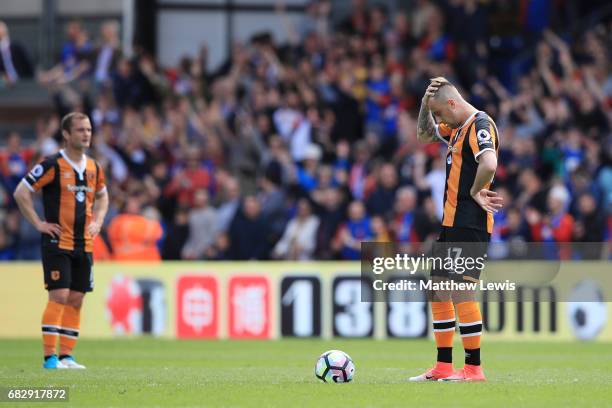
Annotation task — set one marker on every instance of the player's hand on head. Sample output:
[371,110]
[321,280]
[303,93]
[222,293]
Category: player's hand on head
[488,200]
[431,90]
[50,229]
[434,85]
[439,80]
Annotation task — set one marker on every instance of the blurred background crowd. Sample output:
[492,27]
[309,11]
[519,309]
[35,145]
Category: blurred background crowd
[303,149]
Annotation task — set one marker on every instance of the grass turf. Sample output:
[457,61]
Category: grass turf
[150,372]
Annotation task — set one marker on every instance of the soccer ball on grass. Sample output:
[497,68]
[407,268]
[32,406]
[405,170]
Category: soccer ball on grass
[335,366]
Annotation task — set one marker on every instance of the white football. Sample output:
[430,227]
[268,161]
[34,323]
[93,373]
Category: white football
[335,366]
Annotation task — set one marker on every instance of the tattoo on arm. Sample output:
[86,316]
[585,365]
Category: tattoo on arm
[426,128]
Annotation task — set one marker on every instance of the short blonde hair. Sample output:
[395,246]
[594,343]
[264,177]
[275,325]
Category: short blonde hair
[446,90]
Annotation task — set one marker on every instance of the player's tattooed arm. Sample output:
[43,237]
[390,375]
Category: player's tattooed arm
[426,127]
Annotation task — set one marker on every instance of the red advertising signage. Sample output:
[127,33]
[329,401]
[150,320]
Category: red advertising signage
[249,307]
[124,305]
[197,304]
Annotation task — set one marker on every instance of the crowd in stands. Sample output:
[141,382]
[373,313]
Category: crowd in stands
[303,150]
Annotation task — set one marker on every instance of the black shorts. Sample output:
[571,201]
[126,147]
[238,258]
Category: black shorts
[467,247]
[67,269]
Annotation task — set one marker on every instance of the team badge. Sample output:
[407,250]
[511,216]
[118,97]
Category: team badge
[55,275]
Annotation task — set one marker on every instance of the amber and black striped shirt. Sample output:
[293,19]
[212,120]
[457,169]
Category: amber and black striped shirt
[465,144]
[68,197]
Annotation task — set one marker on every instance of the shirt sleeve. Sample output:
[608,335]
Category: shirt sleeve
[40,175]
[483,137]
[101,179]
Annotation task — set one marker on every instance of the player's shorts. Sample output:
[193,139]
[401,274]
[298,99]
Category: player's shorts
[467,247]
[67,269]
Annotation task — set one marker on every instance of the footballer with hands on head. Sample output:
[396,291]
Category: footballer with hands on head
[471,161]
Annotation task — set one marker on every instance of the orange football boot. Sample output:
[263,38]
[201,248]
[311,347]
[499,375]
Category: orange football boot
[467,373]
[436,373]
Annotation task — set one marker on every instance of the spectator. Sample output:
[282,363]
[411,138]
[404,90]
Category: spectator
[108,52]
[556,226]
[128,85]
[228,208]
[378,97]
[176,233]
[590,227]
[272,199]
[427,223]
[293,127]
[348,124]
[380,230]
[202,232]
[358,20]
[78,42]
[104,113]
[133,237]
[14,60]
[516,229]
[403,224]
[101,251]
[248,232]
[307,172]
[420,17]
[532,193]
[299,239]
[14,162]
[75,59]
[356,230]
[47,127]
[359,171]
[380,202]
[331,212]
[190,179]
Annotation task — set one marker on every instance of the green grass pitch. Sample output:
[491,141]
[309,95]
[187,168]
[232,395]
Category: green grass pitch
[151,372]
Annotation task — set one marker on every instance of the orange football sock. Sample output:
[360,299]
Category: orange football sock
[69,330]
[444,329]
[470,327]
[51,321]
